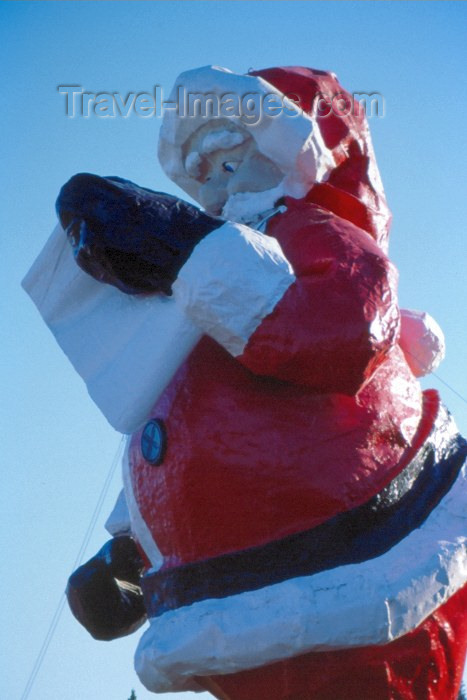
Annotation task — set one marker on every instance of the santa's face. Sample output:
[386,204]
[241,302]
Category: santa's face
[225,160]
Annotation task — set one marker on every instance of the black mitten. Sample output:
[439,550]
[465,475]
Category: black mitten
[127,235]
[104,594]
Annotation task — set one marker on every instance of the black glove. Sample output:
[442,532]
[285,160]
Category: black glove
[104,594]
[127,235]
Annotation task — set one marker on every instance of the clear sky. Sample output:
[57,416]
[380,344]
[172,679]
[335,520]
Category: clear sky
[56,446]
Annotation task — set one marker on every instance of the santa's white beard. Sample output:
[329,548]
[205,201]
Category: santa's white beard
[250,207]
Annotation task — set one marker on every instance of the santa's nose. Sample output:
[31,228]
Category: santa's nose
[213,196]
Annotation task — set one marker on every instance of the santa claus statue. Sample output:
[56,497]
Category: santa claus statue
[293,520]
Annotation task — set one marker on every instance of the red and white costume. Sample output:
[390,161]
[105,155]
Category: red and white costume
[295,405]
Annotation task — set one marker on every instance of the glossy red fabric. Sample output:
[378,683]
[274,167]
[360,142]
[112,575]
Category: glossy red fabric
[425,664]
[340,319]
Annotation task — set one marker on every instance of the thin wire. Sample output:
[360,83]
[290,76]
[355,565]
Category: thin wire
[435,374]
[462,398]
[61,604]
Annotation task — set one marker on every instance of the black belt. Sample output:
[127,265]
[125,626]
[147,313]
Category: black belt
[362,533]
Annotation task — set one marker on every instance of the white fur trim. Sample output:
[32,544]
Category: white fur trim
[232,280]
[118,522]
[222,139]
[139,528]
[370,603]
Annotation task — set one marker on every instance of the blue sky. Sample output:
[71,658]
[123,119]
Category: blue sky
[56,446]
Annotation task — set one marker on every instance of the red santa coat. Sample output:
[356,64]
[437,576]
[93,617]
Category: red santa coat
[321,382]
